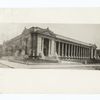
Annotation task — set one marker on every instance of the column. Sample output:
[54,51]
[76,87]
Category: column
[85,53]
[69,50]
[78,52]
[94,53]
[39,46]
[42,46]
[91,52]
[54,47]
[59,48]
[88,53]
[62,49]
[74,51]
[81,52]
[65,50]
[50,47]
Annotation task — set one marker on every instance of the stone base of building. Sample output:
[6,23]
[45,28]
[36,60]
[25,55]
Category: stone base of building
[32,60]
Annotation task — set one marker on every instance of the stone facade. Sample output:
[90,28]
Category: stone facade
[43,43]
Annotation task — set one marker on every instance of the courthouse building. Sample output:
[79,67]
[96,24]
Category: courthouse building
[43,43]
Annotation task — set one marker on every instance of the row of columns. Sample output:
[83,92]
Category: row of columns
[72,50]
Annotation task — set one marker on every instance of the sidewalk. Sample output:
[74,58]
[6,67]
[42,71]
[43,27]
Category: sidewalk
[47,66]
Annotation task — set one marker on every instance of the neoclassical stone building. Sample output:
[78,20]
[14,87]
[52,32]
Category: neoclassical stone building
[43,43]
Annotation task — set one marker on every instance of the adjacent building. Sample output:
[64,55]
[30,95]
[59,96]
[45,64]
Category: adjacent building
[42,43]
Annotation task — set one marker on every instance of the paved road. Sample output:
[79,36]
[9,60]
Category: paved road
[8,64]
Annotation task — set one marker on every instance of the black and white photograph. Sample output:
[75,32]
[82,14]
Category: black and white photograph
[50,46]
[50,50]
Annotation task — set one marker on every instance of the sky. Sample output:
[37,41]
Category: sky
[89,33]
[81,23]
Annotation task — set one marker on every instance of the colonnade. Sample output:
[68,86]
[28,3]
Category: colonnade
[70,50]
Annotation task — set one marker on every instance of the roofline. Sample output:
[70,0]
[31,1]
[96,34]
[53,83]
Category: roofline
[56,36]
[73,40]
